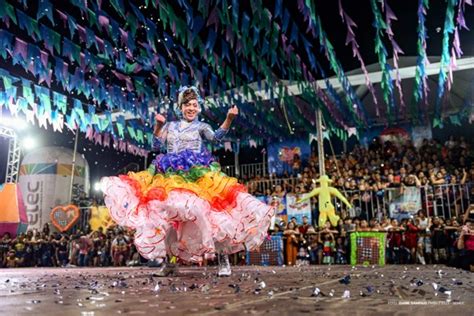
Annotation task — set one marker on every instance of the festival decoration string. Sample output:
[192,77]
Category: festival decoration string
[351,38]
[420,91]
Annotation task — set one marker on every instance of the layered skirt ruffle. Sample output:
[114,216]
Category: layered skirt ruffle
[187,210]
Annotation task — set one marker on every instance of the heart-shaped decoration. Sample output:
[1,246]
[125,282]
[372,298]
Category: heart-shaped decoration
[64,217]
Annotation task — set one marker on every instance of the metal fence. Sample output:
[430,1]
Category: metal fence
[250,170]
[270,184]
[447,200]
[82,223]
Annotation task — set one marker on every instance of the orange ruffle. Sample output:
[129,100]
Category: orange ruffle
[215,187]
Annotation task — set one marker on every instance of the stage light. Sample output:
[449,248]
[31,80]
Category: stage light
[98,187]
[29,142]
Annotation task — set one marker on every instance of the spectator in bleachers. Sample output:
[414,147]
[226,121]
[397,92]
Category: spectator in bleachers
[279,191]
[394,241]
[62,251]
[292,242]
[303,228]
[466,246]
[328,245]
[439,240]
[119,250]
[4,248]
[341,251]
[424,237]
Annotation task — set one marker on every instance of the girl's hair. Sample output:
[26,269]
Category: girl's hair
[187,95]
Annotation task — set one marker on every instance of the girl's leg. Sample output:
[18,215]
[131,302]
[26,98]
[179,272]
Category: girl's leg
[166,268]
[224,265]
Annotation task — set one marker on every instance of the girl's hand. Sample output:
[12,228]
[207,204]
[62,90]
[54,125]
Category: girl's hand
[160,119]
[233,112]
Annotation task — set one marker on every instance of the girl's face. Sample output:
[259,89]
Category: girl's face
[190,110]
[364,224]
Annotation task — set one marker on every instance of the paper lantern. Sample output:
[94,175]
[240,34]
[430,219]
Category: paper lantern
[12,210]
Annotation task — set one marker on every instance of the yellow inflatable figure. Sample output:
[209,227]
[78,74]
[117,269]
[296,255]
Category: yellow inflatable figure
[326,209]
[100,217]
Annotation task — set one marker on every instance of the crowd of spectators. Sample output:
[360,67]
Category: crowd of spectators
[381,165]
[113,247]
[426,238]
[414,240]
[443,172]
[420,240]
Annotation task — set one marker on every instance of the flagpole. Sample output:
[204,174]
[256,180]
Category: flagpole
[320,139]
[73,166]
[236,159]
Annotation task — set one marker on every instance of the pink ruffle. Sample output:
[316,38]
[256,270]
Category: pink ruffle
[185,225]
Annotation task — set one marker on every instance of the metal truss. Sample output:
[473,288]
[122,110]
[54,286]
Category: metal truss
[13,164]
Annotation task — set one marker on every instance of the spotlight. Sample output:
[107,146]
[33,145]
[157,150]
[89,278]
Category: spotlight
[29,143]
[98,187]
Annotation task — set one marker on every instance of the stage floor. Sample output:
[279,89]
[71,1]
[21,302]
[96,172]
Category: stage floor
[389,290]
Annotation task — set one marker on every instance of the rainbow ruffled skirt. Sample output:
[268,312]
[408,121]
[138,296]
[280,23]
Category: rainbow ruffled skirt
[183,205]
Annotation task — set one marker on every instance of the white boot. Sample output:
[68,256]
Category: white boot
[421,258]
[166,269]
[224,266]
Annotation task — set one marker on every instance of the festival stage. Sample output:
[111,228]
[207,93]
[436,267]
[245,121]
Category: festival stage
[388,290]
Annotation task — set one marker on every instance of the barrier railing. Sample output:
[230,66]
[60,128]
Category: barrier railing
[446,200]
[270,184]
[251,170]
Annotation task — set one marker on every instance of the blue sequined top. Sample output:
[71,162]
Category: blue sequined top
[178,136]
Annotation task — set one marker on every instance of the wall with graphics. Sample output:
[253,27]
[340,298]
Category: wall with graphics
[45,176]
[281,154]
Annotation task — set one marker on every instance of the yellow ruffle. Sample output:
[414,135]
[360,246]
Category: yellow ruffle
[210,186]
